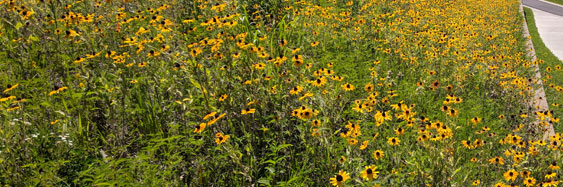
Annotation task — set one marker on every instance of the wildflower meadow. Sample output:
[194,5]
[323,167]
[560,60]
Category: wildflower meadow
[274,93]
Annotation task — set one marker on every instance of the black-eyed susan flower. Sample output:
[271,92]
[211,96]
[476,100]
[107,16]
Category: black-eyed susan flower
[320,81]
[10,88]
[500,184]
[476,182]
[296,90]
[364,145]
[550,175]
[315,43]
[529,181]
[340,178]
[248,111]
[79,60]
[369,173]
[475,120]
[305,114]
[554,166]
[342,159]
[221,138]
[352,141]
[378,154]
[199,128]
[58,90]
[510,175]
[71,33]
[316,123]
[368,87]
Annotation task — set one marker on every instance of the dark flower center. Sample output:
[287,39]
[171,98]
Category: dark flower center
[339,178]
[369,171]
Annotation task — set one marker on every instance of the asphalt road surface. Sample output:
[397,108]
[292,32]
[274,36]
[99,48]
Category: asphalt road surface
[543,6]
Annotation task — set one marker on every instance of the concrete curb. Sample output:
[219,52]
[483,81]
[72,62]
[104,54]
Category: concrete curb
[539,102]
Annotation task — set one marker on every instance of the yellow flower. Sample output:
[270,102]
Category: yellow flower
[393,141]
[220,138]
[314,44]
[71,33]
[364,145]
[476,182]
[476,120]
[369,173]
[340,178]
[378,154]
[510,175]
[10,88]
[248,111]
[529,181]
[352,141]
[305,114]
[348,87]
[58,90]
[79,60]
[198,129]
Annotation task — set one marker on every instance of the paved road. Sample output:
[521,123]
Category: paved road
[550,28]
[544,6]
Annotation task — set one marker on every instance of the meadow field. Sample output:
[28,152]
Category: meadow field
[274,93]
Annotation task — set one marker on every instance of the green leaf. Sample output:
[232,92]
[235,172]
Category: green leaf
[18,25]
[33,38]
[264,181]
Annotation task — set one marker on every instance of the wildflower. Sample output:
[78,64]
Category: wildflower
[475,120]
[316,123]
[10,88]
[378,154]
[368,87]
[369,173]
[340,178]
[364,145]
[476,182]
[352,141]
[314,44]
[213,121]
[500,184]
[393,141]
[321,81]
[248,111]
[400,131]
[530,181]
[58,90]
[198,129]
[550,175]
[71,33]
[348,87]
[495,160]
[342,159]
[306,114]
[220,138]
[553,166]
[79,60]
[510,175]
[296,90]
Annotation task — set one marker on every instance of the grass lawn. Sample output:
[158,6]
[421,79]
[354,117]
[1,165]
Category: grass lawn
[556,1]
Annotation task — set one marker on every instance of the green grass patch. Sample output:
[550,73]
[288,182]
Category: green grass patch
[556,1]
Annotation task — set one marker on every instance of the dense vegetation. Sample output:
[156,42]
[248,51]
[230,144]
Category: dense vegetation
[270,93]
